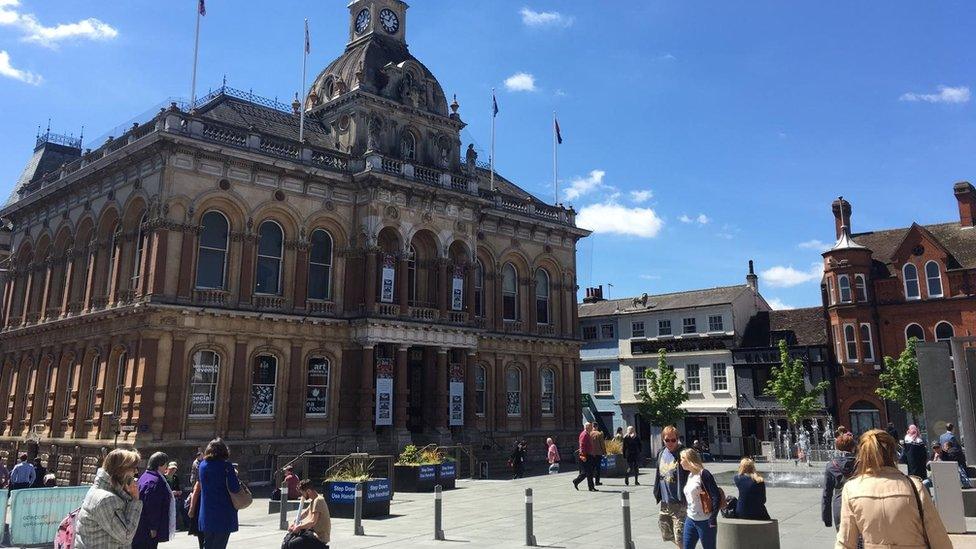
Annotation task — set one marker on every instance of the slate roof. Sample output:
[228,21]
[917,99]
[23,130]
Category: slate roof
[807,325]
[232,111]
[664,302]
[959,241]
[47,158]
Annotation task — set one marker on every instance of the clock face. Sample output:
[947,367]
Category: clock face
[390,21]
[362,21]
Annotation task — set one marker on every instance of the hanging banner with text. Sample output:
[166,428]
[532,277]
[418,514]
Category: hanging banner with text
[456,398]
[35,513]
[387,278]
[457,290]
[384,391]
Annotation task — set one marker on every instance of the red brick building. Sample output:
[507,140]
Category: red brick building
[882,287]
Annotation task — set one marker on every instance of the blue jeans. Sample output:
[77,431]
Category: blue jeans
[698,530]
[218,540]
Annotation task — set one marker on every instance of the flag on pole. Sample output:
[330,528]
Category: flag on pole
[202,8]
[559,135]
[308,41]
[494,104]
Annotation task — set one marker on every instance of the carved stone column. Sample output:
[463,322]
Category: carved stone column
[114,272]
[246,283]
[470,363]
[301,274]
[46,296]
[401,381]
[443,287]
[441,392]
[499,312]
[64,301]
[156,283]
[366,396]
[187,280]
[403,284]
[469,272]
[534,401]
[369,292]
[501,397]
[28,290]
[90,269]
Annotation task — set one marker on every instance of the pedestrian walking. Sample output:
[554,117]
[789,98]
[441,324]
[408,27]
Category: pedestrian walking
[751,504]
[948,435]
[632,453]
[109,514]
[839,469]
[704,501]
[599,450]
[586,458]
[552,456]
[619,435]
[23,474]
[217,516]
[883,505]
[517,460]
[40,474]
[292,481]
[173,480]
[157,523]
[313,527]
[669,482]
[914,454]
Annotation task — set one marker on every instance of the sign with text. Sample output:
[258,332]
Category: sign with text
[384,391]
[457,290]
[341,492]
[378,490]
[427,472]
[387,279]
[456,404]
[35,513]
[448,470]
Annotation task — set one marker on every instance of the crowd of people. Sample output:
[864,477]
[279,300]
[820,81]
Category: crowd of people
[26,474]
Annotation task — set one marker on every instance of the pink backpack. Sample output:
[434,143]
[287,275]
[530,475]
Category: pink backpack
[65,538]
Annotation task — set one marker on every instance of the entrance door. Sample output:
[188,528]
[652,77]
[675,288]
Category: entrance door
[696,428]
[864,417]
[415,406]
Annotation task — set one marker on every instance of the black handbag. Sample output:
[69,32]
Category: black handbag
[303,539]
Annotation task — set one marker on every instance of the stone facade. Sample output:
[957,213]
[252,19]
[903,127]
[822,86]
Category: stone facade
[209,274]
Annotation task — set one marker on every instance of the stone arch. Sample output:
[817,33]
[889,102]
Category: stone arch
[229,203]
[390,240]
[423,268]
[340,238]
[283,214]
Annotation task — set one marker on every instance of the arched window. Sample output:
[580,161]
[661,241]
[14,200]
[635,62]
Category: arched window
[933,279]
[844,283]
[480,390]
[510,304]
[203,383]
[548,387]
[867,344]
[69,387]
[910,273]
[412,275]
[263,385]
[140,249]
[270,240]
[513,392]
[212,251]
[96,367]
[850,338]
[120,382]
[861,288]
[479,288]
[542,296]
[31,388]
[944,331]
[320,265]
[914,330]
[317,387]
[113,251]
[408,146]
[864,417]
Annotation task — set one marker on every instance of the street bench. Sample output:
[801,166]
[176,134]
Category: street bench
[969,502]
[747,534]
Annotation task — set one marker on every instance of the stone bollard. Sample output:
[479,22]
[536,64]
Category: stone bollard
[438,531]
[628,535]
[357,514]
[283,507]
[747,534]
[948,496]
[529,536]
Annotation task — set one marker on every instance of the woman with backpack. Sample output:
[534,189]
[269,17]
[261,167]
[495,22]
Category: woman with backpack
[109,515]
[704,499]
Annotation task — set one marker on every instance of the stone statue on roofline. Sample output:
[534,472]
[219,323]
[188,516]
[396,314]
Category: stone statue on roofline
[470,158]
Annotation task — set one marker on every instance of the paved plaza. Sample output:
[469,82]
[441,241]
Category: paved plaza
[490,513]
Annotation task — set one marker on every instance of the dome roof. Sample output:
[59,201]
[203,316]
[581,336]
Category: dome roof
[381,66]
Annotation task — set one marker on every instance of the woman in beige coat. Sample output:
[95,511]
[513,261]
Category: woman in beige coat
[884,506]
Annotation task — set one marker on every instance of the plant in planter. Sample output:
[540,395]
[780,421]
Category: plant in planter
[419,470]
[613,463]
[340,491]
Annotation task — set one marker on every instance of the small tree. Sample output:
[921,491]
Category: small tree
[787,383]
[661,400]
[899,380]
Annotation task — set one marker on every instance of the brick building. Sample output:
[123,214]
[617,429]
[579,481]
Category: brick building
[882,287]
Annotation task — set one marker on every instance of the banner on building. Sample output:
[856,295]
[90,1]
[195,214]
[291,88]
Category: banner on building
[35,513]
[457,290]
[387,279]
[456,397]
[384,391]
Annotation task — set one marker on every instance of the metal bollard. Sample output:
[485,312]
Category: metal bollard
[438,531]
[283,511]
[357,513]
[628,537]
[529,536]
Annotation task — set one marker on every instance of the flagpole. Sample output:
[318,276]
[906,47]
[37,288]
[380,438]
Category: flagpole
[196,50]
[491,156]
[301,120]
[555,163]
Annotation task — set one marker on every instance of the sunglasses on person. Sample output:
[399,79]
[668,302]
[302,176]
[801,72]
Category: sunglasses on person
[670,440]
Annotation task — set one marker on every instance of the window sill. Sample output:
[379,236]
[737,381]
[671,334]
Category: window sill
[604,394]
[201,418]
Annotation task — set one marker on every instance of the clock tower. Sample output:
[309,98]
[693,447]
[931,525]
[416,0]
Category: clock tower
[369,18]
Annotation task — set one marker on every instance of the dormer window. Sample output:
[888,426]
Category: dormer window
[408,146]
[933,279]
[910,273]
[844,283]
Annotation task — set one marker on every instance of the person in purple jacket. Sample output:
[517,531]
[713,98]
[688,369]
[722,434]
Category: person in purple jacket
[158,520]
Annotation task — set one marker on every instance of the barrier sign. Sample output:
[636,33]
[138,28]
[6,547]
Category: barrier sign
[35,513]
[448,470]
[342,492]
[378,490]
[427,472]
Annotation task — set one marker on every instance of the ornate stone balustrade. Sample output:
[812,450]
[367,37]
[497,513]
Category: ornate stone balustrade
[210,296]
[321,307]
[269,302]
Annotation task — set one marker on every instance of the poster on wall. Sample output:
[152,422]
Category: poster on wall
[384,391]
[387,278]
[456,396]
[457,290]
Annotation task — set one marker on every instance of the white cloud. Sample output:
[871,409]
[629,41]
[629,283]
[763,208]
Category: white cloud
[701,219]
[580,186]
[641,195]
[649,277]
[531,18]
[947,94]
[34,31]
[520,81]
[685,219]
[611,218]
[786,277]
[778,305]
[6,69]
[667,57]
[813,245]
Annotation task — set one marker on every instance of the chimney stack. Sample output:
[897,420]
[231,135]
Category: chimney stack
[751,279]
[966,196]
[842,215]
[594,295]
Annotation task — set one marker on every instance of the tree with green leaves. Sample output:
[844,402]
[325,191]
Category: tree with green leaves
[661,400]
[899,380]
[788,383]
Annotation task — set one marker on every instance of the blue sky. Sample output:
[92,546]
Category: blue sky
[697,136]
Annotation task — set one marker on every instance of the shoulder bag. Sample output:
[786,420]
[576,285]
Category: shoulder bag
[242,498]
[921,513]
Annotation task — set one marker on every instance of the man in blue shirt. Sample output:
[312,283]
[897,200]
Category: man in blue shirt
[948,435]
[669,481]
[23,474]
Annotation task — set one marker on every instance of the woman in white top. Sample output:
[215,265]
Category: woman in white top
[703,497]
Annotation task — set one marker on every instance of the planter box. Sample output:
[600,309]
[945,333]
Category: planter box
[415,478]
[613,466]
[341,498]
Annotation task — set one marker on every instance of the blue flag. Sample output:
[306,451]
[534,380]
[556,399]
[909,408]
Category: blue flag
[494,104]
[559,135]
